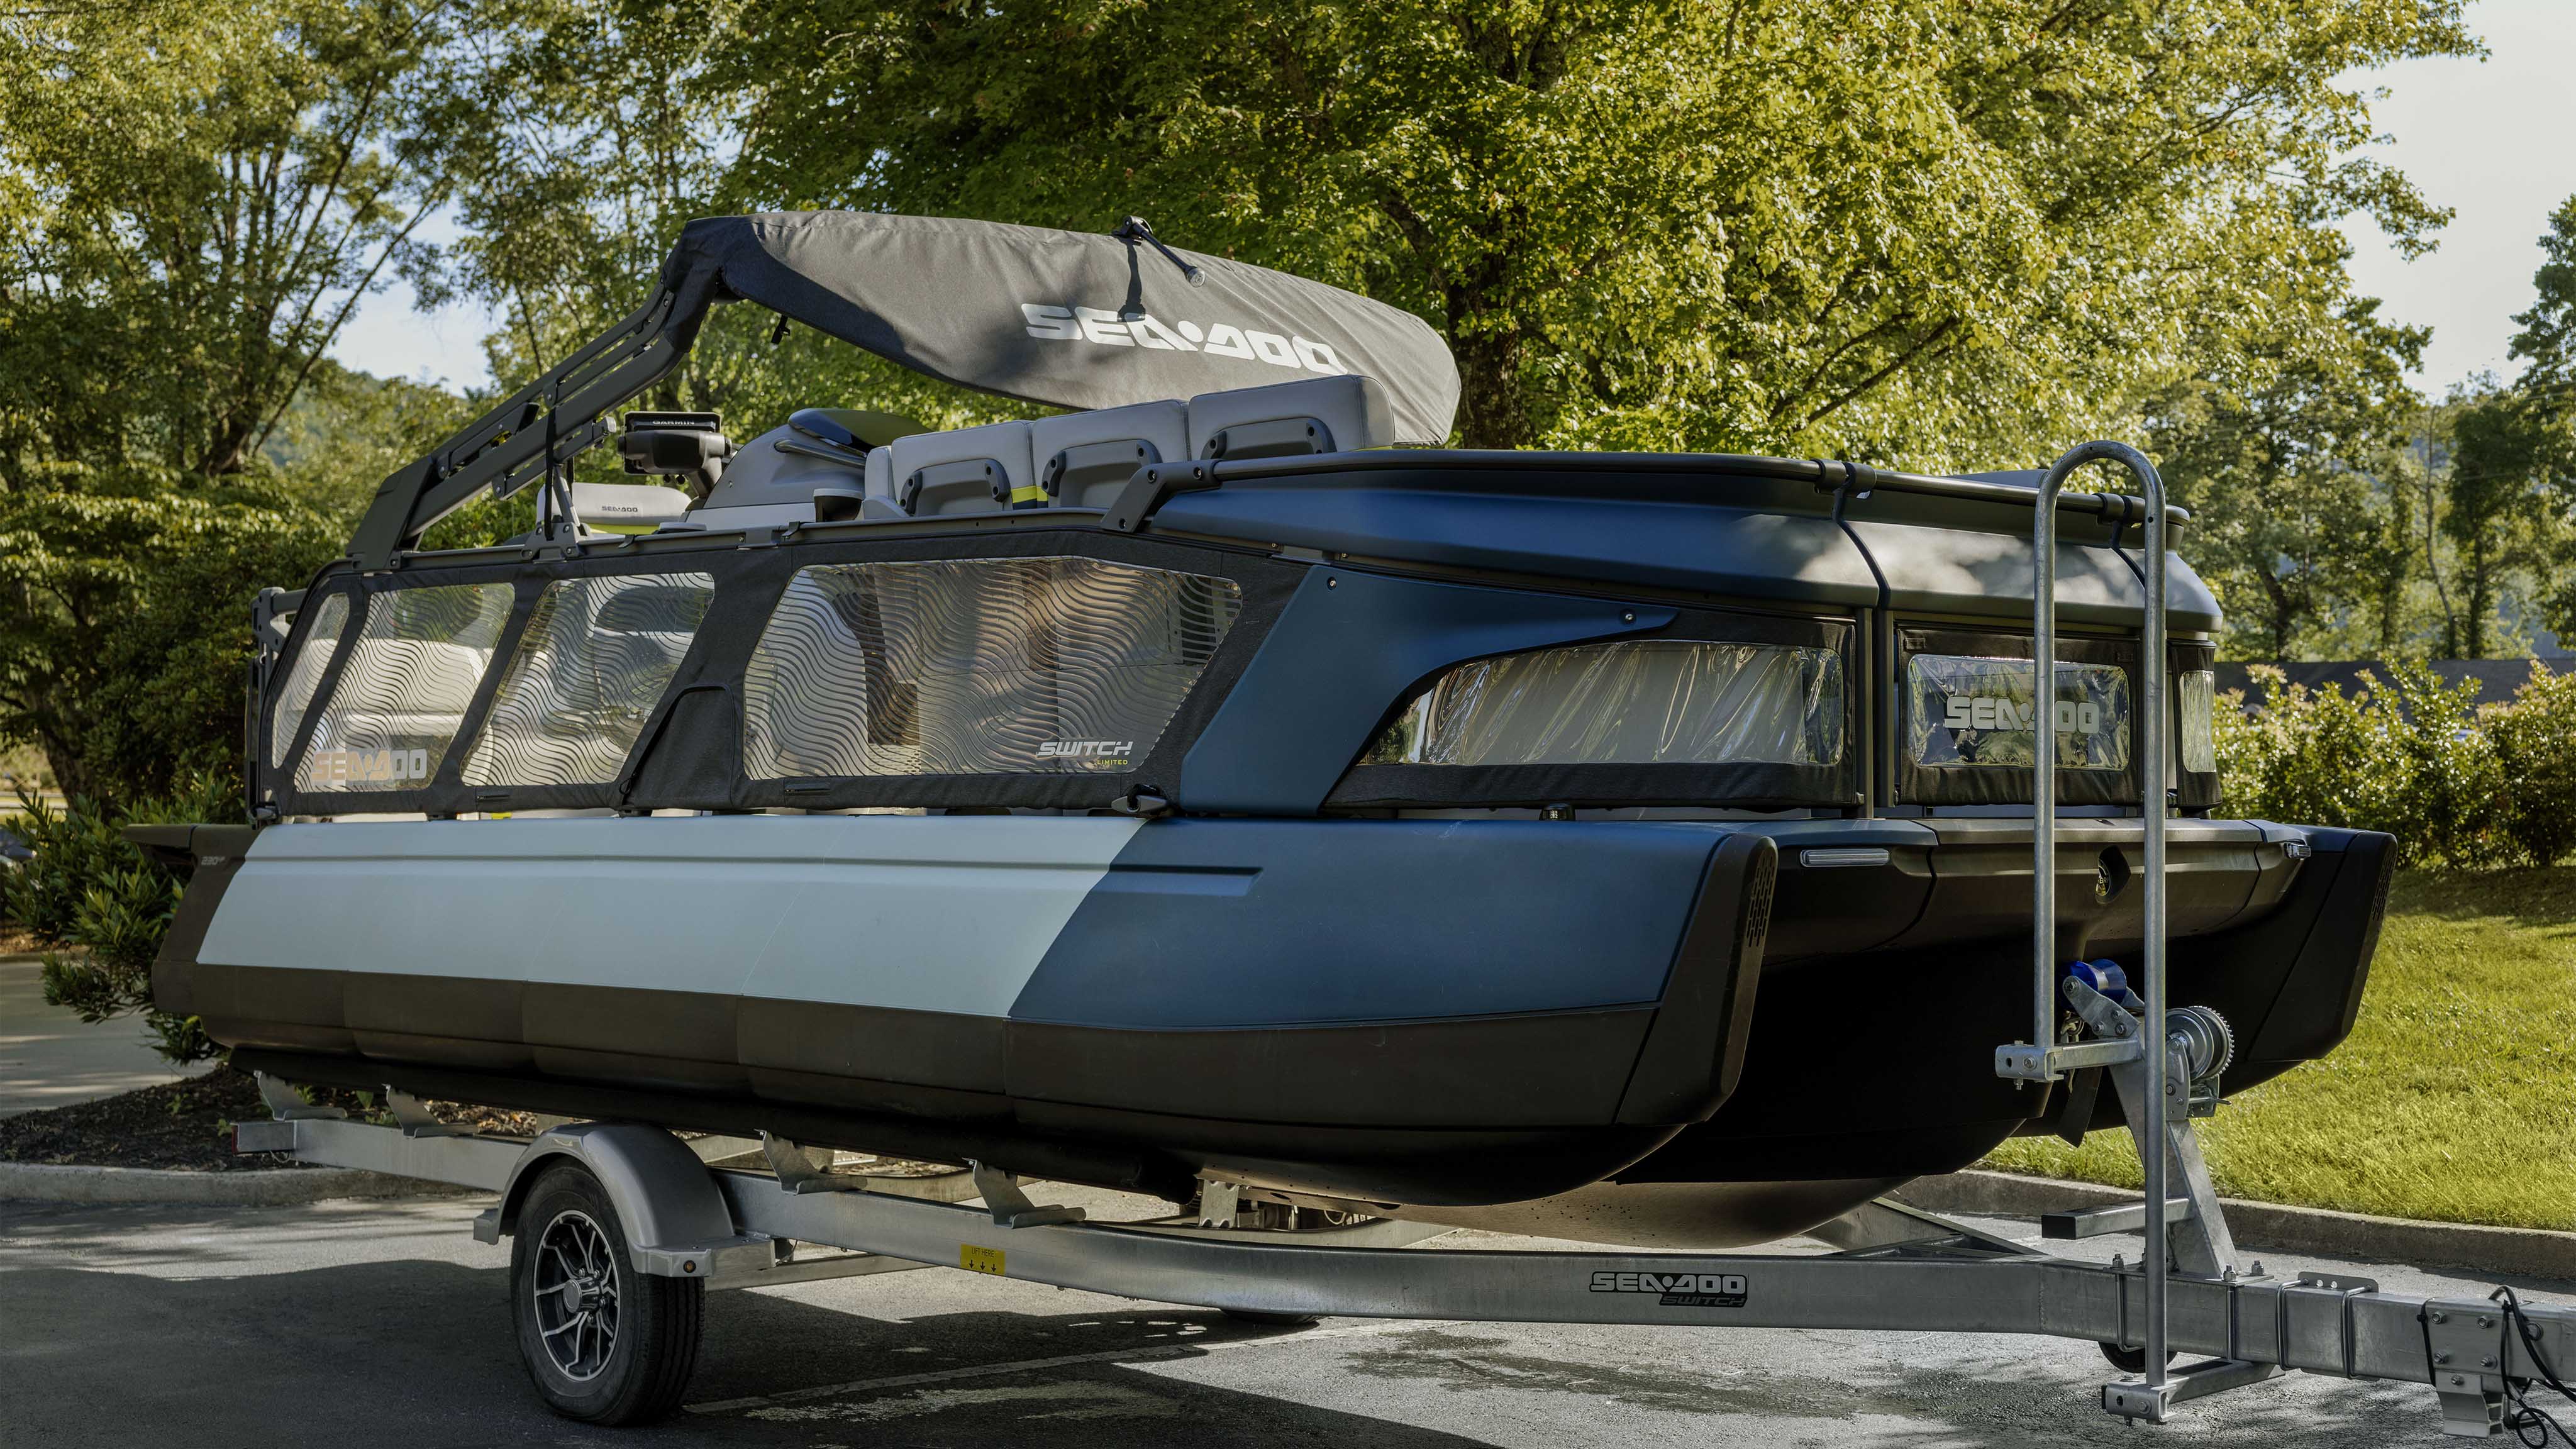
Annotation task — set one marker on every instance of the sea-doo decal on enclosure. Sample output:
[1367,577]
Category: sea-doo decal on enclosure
[334,767]
[1992,712]
[1678,1290]
[1222,339]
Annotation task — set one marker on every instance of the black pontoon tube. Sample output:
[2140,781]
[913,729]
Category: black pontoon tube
[1025,1153]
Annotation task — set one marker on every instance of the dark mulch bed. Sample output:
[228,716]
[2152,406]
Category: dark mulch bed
[189,1125]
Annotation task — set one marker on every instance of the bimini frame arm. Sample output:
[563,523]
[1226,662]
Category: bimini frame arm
[541,427]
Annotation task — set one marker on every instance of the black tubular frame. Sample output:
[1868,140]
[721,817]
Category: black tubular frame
[540,427]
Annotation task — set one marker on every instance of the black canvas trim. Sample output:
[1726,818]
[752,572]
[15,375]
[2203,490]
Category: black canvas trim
[1731,786]
[271,781]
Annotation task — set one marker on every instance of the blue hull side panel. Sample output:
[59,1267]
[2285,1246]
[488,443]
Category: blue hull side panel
[1226,924]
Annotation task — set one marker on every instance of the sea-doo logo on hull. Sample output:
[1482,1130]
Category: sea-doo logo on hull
[1988,712]
[1678,1290]
[1222,339]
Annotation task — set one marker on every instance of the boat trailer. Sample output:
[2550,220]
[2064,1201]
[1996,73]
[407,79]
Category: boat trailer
[684,1221]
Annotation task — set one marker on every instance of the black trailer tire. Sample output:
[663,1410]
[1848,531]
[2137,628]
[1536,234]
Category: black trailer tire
[1269,1319]
[2131,1360]
[603,1342]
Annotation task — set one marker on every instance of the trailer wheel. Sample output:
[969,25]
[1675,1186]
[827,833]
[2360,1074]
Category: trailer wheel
[2131,1360]
[603,1343]
[1268,1319]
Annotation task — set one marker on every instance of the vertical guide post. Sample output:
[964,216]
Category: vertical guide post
[2154,737]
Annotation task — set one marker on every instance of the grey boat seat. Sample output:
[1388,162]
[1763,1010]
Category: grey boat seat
[780,478]
[1084,459]
[963,470]
[1313,415]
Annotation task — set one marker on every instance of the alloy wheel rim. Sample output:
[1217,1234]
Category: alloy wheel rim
[574,1292]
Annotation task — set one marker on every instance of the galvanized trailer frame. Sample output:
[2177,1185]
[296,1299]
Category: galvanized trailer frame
[1898,1270]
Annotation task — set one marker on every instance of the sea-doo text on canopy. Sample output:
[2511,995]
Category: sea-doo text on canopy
[1196,787]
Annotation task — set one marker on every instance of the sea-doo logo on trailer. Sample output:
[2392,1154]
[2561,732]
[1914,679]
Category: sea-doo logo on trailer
[1987,712]
[1223,339]
[1678,1290]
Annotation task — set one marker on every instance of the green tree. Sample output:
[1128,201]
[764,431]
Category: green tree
[193,197]
[1926,230]
[2497,502]
[125,625]
[2278,451]
[2536,437]
[605,140]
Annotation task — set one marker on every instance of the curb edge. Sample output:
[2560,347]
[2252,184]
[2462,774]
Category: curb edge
[2529,1252]
[72,1183]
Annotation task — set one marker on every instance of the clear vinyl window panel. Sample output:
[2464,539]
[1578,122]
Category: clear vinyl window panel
[321,646]
[594,661]
[1976,710]
[2196,707]
[1641,701]
[976,667]
[413,667]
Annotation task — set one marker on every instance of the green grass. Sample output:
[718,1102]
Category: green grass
[2454,1099]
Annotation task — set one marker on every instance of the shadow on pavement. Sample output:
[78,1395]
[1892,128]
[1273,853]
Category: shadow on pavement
[413,1353]
[2017,1399]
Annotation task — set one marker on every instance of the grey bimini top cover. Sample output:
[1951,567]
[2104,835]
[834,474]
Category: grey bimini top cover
[1071,319]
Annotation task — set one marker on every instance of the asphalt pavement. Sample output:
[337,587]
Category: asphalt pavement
[384,1324]
[51,1058]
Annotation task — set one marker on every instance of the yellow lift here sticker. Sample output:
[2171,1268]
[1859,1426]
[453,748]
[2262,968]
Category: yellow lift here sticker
[979,1260]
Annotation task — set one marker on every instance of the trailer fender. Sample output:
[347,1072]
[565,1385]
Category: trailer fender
[674,1216]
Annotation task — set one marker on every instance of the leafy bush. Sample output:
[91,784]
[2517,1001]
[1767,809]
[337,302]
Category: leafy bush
[90,891]
[2459,784]
[2535,740]
[74,850]
[125,624]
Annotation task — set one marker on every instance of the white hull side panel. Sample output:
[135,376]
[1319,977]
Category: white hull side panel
[922,913]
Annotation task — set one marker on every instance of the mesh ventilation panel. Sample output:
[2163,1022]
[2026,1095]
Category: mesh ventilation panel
[595,659]
[1643,701]
[979,666]
[411,673]
[321,646]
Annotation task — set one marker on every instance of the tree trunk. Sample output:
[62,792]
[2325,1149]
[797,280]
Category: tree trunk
[69,776]
[1492,411]
[2481,586]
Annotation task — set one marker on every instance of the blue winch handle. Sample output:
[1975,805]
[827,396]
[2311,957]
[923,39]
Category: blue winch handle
[2105,976]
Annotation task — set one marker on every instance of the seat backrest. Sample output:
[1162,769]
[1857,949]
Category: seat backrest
[1084,459]
[1314,415]
[964,470]
[879,483]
